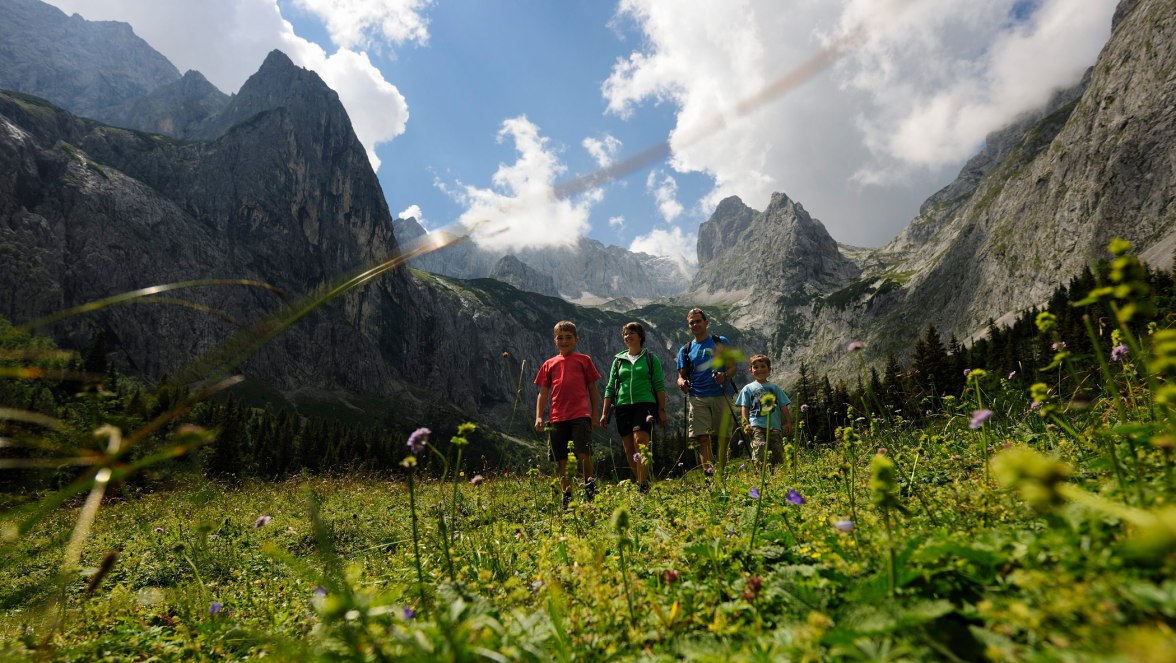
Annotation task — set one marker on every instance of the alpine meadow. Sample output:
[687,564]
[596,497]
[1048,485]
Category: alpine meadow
[248,412]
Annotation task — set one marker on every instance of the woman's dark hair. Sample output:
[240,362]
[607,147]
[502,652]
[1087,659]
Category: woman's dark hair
[636,328]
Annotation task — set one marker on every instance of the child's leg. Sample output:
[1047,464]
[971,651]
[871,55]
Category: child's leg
[777,447]
[563,473]
[586,463]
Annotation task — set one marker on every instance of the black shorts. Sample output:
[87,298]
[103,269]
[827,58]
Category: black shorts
[635,417]
[576,431]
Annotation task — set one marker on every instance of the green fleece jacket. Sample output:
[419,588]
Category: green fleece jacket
[632,382]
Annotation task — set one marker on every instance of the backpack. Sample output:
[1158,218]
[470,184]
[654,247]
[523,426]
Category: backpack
[688,366]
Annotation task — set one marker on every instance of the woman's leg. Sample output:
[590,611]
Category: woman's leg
[630,449]
[640,470]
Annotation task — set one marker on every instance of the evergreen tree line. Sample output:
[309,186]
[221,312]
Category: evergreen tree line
[1016,353]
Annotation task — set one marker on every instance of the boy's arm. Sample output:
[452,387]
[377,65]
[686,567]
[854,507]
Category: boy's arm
[786,417]
[540,402]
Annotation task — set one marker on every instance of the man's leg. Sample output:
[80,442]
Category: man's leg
[704,451]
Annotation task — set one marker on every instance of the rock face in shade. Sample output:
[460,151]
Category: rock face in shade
[515,272]
[92,68]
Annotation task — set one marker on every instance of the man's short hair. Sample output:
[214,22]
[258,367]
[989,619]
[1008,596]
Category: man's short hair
[764,358]
[565,326]
[636,328]
[698,311]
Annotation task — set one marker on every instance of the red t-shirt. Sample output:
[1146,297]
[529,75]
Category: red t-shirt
[568,377]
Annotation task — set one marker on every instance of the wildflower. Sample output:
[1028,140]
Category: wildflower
[754,584]
[214,608]
[793,497]
[1060,345]
[620,520]
[159,530]
[956,457]
[978,418]
[804,407]
[670,576]
[261,521]
[844,525]
[649,418]
[638,458]
[478,479]
[536,585]
[1012,375]
[882,451]
[1119,353]
[855,346]
[409,462]
[418,440]
[754,492]
[320,591]
[1046,322]
[769,402]
[967,371]
[743,466]
[409,613]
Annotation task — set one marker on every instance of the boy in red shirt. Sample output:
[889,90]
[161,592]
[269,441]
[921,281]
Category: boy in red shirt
[569,380]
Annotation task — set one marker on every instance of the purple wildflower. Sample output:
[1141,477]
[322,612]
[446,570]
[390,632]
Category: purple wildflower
[855,346]
[418,440]
[214,608]
[409,613]
[638,458]
[743,466]
[967,371]
[1060,345]
[1119,353]
[261,521]
[844,525]
[804,407]
[649,418]
[754,492]
[478,478]
[1035,406]
[793,497]
[978,418]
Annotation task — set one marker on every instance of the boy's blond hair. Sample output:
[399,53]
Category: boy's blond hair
[763,358]
[565,326]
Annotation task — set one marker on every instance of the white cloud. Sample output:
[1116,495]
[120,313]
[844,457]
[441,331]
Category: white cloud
[522,211]
[665,193]
[366,24]
[227,40]
[616,222]
[903,110]
[412,212]
[672,243]
[602,150]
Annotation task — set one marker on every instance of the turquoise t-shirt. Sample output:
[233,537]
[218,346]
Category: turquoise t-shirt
[750,396]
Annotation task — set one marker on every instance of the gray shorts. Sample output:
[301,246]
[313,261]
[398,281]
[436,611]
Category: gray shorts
[708,415]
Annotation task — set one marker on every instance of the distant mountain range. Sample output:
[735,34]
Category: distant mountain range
[272,184]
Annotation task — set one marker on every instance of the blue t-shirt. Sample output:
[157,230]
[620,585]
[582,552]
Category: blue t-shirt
[702,357]
[750,396]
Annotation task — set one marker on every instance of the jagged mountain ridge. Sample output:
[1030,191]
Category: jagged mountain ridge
[587,273]
[1038,204]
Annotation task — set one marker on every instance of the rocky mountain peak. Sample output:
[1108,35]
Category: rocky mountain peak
[510,269]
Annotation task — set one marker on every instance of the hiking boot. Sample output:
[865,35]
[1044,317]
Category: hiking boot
[709,470]
[567,499]
[643,488]
[590,490]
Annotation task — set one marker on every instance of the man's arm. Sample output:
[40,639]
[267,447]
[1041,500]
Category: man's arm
[540,402]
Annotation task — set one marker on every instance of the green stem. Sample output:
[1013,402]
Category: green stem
[625,580]
[416,548]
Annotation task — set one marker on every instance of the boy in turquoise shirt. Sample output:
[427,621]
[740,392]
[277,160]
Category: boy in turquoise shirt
[756,416]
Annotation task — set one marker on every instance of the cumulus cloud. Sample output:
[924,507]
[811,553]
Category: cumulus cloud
[665,193]
[522,210]
[672,243]
[861,143]
[617,222]
[363,24]
[412,212]
[243,32]
[603,149]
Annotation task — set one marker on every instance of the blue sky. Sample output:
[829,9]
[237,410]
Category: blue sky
[473,110]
